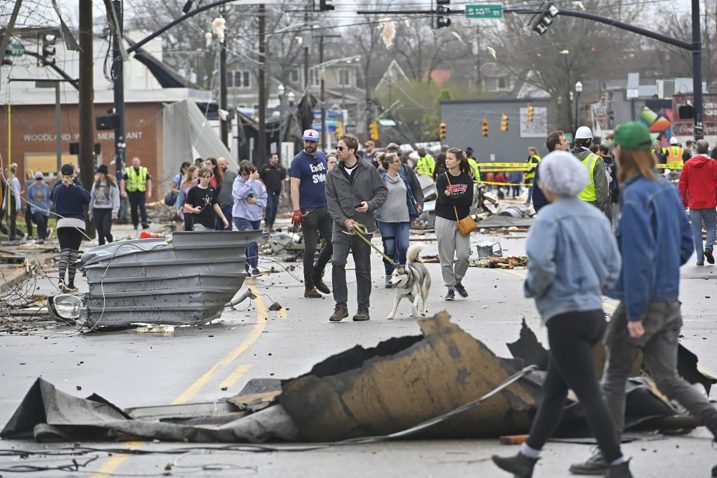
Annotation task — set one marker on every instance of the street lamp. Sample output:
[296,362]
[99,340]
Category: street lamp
[578,90]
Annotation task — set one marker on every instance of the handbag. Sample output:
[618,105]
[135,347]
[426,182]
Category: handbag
[467,224]
[170,198]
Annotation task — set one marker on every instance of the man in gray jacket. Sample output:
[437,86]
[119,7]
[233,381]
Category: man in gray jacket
[353,191]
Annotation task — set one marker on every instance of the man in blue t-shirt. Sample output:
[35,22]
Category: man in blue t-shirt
[308,197]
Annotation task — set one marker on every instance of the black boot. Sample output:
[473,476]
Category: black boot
[619,471]
[520,465]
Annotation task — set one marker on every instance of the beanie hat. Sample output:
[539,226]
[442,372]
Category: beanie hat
[102,168]
[563,174]
[67,170]
[633,135]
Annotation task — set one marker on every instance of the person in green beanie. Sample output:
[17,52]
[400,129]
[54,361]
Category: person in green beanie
[654,239]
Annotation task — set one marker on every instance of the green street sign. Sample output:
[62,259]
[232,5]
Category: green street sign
[15,49]
[485,10]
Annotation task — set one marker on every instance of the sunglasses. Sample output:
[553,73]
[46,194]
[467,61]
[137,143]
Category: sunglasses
[341,148]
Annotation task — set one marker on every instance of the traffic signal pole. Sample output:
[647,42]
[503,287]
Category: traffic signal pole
[118,90]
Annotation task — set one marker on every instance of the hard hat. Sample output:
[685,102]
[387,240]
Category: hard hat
[311,135]
[583,132]
[674,140]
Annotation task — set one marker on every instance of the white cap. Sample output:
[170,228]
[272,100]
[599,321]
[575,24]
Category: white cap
[563,174]
[583,132]
[311,135]
[674,140]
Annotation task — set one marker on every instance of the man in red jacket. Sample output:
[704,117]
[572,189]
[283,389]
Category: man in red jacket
[698,188]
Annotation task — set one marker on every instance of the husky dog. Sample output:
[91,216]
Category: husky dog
[411,281]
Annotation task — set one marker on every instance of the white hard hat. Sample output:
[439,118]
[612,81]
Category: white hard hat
[583,132]
[674,140]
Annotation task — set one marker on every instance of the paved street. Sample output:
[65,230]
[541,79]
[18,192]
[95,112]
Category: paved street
[194,364]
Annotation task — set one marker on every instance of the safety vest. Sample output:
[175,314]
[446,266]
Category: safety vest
[674,157]
[589,194]
[137,181]
[475,168]
[426,165]
[533,161]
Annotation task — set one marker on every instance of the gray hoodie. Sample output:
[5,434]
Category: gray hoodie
[344,192]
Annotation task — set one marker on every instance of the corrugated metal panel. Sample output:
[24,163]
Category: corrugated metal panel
[187,281]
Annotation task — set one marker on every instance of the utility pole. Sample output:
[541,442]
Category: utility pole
[5,39]
[87,130]
[323,93]
[118,90]
[261,149]
[224,121]
[698,129]
[306,51]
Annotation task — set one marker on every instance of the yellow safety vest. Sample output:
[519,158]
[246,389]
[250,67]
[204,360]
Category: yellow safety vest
[426,165]
[589,194]
[674,157]
[475,168]
[533,160]
[137,181]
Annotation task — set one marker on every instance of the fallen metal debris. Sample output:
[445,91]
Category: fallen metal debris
[187,281]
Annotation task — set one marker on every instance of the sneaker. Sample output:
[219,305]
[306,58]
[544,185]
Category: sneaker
[708,255]
[388,283]
[339,313]
[461,290]
[145,225]
[361,315]
[321,286]
[255,272]
[450,295]
[621,470]
[312,293]
[595,465]
[520,465]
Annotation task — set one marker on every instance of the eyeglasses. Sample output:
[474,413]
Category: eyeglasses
[340,148]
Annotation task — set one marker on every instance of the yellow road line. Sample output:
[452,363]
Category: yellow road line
[262,315]
[234,376]
[608,304]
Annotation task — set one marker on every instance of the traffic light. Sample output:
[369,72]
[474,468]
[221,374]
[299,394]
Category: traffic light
[540,21]
[326,5]
[442,131]
[504,122]
[47,56]
[442,10]
[339,129]
[373,131]
[485,127]
[530,114]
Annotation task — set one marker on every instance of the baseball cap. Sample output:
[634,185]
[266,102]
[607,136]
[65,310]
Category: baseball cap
[39,175]
[102,168]
[633,135]
[67,170]
[311,135]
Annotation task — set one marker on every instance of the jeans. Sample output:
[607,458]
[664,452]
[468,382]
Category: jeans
[272,206]
[571,337]
[28,219]
[137,201]
[361,252]
[227,211]
[395,243]
[41,220]
[103,224]
[662,324]
[316,221]
[707,216]
[252,250]
[454,251]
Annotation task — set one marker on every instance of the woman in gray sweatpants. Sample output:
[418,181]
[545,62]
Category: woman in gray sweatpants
[455,196]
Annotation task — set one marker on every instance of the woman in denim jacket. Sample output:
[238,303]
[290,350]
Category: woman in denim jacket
[573,258]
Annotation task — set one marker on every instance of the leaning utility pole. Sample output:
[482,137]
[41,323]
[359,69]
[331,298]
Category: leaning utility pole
[87,130]
[260,157]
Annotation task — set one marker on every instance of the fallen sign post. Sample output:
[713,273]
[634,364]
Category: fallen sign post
[488,10]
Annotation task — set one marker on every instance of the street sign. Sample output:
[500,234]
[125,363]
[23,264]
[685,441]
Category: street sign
[15,49]
[486,10]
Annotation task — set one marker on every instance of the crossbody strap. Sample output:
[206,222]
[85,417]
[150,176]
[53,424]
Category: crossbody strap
[454,207]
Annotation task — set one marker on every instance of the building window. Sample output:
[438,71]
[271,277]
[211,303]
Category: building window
[344,77]
[242,79]
[230,78]
[294,75]
[502,83]
[314,77]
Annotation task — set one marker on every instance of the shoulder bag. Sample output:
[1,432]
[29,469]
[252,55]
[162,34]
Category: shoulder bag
[467,224]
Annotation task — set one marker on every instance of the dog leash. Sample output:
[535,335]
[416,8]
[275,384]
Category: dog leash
[362,231]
